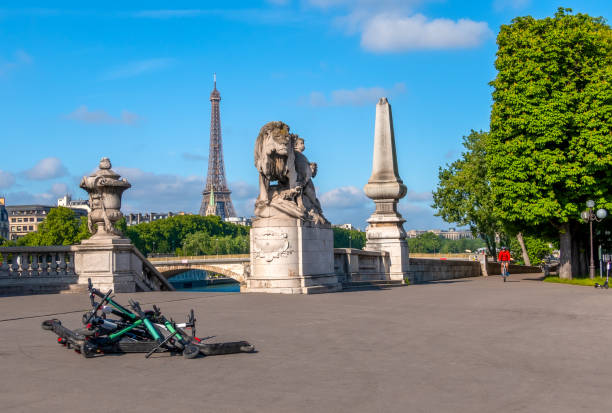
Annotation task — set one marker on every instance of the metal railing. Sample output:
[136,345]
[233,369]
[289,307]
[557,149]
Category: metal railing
[37,261]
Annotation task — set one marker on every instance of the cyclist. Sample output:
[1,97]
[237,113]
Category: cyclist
[504,258]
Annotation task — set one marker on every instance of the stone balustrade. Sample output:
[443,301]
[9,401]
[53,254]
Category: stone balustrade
[351,264]
[37,261]
[34,270]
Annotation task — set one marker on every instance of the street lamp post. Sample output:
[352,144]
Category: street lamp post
[589,216]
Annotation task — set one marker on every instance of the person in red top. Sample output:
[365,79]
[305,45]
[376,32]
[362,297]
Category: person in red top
[504,258]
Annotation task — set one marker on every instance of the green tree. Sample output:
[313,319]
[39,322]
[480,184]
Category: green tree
[167,236]
[425,243]
[201,243]
[550,146]
[463,195]
[343,238]
[61,227]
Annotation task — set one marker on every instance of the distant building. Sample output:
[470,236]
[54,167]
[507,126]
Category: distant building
[68,202]
[240,221]
[347,226]
[24,219]
[451,234]
[4,221]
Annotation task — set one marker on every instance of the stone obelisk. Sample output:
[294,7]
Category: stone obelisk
[385,188]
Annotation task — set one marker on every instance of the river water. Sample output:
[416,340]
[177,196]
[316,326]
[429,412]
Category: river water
[195,280]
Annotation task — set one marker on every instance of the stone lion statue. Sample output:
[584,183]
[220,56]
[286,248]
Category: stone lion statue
[285,186]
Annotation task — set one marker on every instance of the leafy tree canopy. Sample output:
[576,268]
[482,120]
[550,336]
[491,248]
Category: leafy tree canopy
[463,195]
[168,235]
[551,123]
[61,227]
[345,238]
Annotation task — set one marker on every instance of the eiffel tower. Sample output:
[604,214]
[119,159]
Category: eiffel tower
[216,193]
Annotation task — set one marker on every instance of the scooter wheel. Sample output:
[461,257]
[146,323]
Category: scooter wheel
[48,324]
[606,287]
[86,316]
[88,350]
[190,351]
[247,348]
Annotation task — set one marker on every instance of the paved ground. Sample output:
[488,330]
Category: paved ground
[472,345]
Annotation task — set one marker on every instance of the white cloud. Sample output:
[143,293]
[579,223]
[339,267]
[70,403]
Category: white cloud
[151,192]
[83,114]
[348,204]
[47,168]
[243,197]
[393,25]
[419,217]
[48,197]
[7,179]
[138,68]
[389,33]
[343,197]
[59,189]
[355,97]
[28,198]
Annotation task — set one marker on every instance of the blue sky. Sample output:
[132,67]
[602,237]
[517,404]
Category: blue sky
[131,81]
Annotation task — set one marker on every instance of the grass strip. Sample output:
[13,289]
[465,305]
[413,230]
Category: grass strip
[576,280]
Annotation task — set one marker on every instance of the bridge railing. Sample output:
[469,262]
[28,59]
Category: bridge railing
[37,261]
[199,257]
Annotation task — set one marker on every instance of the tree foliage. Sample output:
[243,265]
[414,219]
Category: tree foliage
[551,122]
[463,195]
[341,238]
[432,243]
[61,227]
[202,243]
[550,146]
[537,249]
[167,236]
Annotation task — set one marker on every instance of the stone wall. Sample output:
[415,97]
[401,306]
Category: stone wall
[358,265]
[424,270]
[494,268]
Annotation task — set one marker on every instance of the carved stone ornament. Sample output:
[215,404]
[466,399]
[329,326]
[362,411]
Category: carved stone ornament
[105,189]
[285,176]
[270,245]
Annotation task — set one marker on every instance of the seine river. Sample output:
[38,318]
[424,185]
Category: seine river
[222,288]
[195,280]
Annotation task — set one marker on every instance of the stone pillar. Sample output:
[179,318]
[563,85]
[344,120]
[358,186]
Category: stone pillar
[109,262]
[291,256]
[385,188]
[483,258]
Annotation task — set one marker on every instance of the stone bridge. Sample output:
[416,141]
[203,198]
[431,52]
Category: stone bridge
[236,267]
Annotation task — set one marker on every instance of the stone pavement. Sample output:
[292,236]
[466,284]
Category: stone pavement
[468,345]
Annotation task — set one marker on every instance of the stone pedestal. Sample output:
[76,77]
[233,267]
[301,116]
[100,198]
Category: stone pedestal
[291,256]
[385,233]
[109,262]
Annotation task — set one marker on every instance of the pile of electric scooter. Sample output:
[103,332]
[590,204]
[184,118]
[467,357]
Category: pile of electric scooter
[135,331]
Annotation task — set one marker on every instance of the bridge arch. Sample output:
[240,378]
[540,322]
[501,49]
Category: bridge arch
[169,271]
